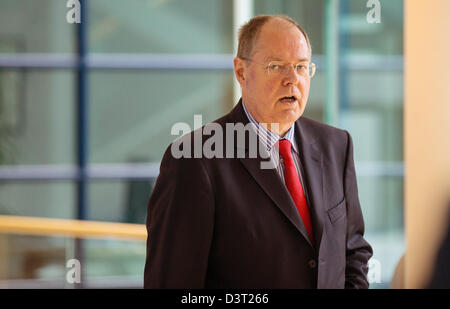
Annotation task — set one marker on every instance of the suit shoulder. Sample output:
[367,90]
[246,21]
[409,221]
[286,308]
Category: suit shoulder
[332,141]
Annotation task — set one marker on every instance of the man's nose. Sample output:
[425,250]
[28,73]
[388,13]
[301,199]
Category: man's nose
[291,77]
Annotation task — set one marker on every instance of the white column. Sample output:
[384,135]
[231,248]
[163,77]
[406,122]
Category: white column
[242,12]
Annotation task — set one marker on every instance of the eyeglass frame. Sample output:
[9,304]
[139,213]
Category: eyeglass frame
[311,66]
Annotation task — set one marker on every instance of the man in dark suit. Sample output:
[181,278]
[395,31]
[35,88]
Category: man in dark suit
[231,222]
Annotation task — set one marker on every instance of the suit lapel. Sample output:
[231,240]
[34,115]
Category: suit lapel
[311,159]
[270,182]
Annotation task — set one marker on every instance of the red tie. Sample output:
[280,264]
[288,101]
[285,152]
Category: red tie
[294,186]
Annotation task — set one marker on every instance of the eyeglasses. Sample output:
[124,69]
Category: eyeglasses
[280,68]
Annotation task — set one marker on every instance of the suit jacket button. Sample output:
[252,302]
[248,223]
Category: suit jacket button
[312,263]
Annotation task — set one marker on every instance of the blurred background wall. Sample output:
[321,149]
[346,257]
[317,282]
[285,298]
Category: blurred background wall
[427,139]
[147,65]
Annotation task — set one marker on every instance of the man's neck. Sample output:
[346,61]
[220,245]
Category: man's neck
[275,127]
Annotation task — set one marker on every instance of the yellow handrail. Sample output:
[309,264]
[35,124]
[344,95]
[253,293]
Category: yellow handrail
[71,228]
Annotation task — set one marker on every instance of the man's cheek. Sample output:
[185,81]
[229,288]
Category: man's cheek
[269,91]
[251,76]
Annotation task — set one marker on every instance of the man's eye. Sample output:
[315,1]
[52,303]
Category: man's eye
[274,67]
[301,67]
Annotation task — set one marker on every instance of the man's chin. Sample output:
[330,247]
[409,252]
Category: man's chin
[287,118]
[291,114]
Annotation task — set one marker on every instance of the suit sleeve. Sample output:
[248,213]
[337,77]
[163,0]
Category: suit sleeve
[180,221]
[358,251]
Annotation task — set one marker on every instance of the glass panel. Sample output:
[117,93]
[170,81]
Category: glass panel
[132,113]
[114,263]
[381,200]
[136,26]
[119,201]
[30,26]
[37,118]
[41,262]
[382,204]
[39,199]
[374,89]
[384,38]
[371,109]
[373,114]
[33,259]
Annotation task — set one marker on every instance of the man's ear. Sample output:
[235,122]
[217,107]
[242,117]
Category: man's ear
[239,70]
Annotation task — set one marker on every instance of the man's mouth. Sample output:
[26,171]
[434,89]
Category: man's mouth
[288,99]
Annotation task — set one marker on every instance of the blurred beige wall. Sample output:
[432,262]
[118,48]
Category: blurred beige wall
[427,133]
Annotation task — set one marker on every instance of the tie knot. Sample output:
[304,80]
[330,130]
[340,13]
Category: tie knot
[284,147]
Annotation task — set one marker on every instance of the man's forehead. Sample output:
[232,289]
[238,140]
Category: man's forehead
[278,50]
[280,29]
[274,44]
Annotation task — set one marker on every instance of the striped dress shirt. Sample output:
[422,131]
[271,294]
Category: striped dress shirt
[270,140]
